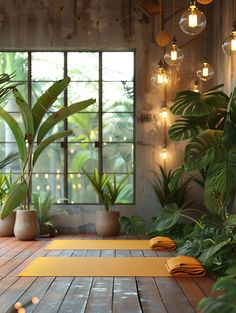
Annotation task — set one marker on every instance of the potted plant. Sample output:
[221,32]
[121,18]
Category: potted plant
[43,206]
[31,142]
[108,191]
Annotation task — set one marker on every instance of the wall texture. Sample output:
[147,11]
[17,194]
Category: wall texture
[117,24]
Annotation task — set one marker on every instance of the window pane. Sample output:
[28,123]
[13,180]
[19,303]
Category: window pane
[39,88]
[118,127]
[51,160]
[82,156]
[118,66]
[81,190]
[116,98]
[84,126]
[14,62]
[47,66]
[83,66]
[118,158]
[44,183]
[6,134]
[83,91]
[10,104]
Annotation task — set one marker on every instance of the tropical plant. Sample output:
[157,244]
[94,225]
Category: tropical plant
[133,226]
[224,299]
[107,189]
[11,157]
[32,142]
[45,214]
[5,185]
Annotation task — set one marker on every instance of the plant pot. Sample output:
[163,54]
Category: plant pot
[107,223]
[26,225]
[7,225]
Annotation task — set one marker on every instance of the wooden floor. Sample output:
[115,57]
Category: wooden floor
[87,294]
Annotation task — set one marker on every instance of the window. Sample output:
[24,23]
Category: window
[103,134]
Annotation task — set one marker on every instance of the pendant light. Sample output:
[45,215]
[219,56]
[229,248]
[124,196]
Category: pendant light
[193,21]
[229,44]
[173,56]
[205,71]
[159,76]
[195,87]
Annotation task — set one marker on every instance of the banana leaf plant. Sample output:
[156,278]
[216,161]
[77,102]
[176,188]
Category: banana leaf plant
[198,112]
[35,137]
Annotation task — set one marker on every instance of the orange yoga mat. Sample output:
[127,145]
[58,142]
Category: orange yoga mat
[96,266]
[99,245]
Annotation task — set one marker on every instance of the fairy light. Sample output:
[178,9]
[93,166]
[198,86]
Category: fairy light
[47,187]
[38,187]
[46,176]
[58,187]
[71,176]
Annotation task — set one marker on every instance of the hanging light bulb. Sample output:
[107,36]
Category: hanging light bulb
[164,111]
[205,71]
[174,56]
[159,76]
[195,87]
[164,153]
[229,44]
[193,21]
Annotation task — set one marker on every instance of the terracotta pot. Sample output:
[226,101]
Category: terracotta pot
[107,223]
[26,225]
[7,225]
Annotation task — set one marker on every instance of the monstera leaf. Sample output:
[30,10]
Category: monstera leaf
[168,217]
[193,104]
[183,129]
[204,149]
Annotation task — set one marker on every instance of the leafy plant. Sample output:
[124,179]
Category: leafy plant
[225,299]
[45,213]
[11,157]
[108,191]
[33,140]
[5,185]
[133,226]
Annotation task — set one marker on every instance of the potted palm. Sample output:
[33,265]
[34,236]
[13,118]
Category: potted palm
[108,191]
[31,142]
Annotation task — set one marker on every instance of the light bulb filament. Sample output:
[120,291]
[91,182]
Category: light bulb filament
[192,18]
[173,53]
[205,70]
[233,42]
[164,154]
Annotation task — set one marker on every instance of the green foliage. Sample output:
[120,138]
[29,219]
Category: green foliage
[35,129]
[133,226]
[107,190]
[11,157]
[5,184]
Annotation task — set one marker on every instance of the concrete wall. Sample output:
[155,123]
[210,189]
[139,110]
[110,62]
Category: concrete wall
[116,24]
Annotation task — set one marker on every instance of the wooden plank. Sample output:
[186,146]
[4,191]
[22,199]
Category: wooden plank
[52,300]
[125,296]
[149,296]
[100,297]
[172,296]
[136,253]
[205,283]
[191,290]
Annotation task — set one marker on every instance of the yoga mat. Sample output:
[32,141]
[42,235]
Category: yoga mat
[96,266]
[99,245]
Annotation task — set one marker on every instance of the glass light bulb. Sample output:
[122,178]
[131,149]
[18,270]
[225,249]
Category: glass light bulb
[205,71]
[229,44]
[173,56]
[192,21]
[195,87]
[159,76]
[164,154]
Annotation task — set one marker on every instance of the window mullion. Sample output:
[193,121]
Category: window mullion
[65,143]
[100,122]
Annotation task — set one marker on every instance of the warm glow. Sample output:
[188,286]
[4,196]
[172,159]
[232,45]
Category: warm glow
[195,88]
[205,70]
[164,113]
[173,54]
[164,154]
[160,78]
[192,18]
[233,42]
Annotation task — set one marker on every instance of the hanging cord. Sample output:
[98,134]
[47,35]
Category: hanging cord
[205,34]
[234,8]
[173,18]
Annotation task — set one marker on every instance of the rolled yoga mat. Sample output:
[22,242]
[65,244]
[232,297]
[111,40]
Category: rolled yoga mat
[97,266]
[102,245]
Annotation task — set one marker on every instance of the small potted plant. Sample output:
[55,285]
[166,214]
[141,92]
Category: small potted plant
[108,191]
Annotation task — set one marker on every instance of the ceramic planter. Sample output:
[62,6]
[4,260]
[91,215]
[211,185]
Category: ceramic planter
[107,223]
[26,225]
[7,225]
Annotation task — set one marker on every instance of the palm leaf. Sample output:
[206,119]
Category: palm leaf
[19,137]
[183,129]
[11,157]
[203,149]
[47,99]
[61,115]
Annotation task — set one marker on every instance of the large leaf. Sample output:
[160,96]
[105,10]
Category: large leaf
[45,143]
[60,115]
[211,251]
[11,157]
[46,100]
[204,149]
[183,129]
[26,115]
[15,128]
[168,217]
[14,198]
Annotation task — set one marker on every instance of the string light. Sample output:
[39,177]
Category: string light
[159,76]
